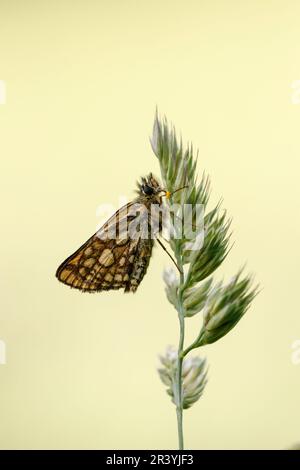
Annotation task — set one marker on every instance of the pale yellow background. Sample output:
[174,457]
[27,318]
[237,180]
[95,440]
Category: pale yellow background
[83,79]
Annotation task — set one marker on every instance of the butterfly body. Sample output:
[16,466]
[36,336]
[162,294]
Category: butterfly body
[143,255]
[115,257]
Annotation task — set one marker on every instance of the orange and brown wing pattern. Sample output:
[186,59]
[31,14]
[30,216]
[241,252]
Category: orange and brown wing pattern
[100,265]
[110,259]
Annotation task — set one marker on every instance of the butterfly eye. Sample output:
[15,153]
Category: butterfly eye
[147,190]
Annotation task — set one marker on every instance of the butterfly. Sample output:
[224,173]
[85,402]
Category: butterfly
[118,254]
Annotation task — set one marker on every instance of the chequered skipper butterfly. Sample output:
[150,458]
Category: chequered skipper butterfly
[115,257]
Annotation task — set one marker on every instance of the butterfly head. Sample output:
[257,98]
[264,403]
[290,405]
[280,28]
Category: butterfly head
[149,187]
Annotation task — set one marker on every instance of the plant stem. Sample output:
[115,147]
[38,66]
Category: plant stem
[195,344]
[179,408]
[178,385]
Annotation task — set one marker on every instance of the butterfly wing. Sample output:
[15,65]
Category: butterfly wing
[108,260]
[99,265]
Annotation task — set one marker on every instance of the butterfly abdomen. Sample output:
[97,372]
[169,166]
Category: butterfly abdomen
[140,264]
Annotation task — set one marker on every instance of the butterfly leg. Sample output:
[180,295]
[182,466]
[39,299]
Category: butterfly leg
[169,254]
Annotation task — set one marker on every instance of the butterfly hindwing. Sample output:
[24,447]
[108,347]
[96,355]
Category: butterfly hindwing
[99,265]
